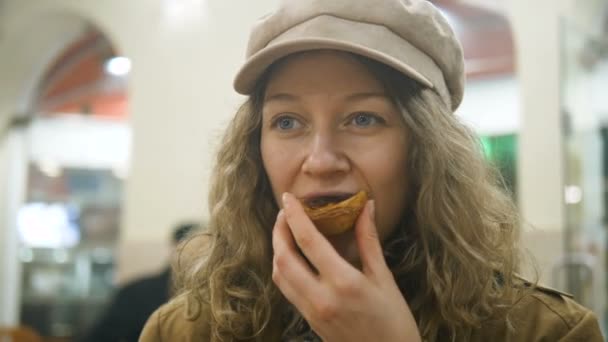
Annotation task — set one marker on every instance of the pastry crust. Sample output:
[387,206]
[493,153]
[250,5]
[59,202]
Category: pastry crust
[337,218]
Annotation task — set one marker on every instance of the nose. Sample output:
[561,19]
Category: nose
[325,157]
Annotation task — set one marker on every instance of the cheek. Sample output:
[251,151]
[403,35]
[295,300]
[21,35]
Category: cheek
[389,182]
[276,163]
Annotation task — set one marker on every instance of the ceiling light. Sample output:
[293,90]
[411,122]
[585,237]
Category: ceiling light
[118,66]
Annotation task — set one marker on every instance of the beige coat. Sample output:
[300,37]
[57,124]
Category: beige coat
[546,315]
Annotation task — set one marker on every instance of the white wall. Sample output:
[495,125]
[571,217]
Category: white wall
[540,143]
[12,181]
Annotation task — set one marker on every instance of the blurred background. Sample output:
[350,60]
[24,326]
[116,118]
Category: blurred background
[110,112]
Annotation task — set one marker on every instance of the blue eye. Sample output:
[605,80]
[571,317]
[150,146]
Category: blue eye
[365,119]
[285,123]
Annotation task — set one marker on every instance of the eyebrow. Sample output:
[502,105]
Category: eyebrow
[351,97]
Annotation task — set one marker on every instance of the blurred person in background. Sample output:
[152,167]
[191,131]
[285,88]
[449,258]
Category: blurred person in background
[133,303]
[347,96]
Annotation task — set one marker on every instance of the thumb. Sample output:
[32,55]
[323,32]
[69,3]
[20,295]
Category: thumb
[368,241]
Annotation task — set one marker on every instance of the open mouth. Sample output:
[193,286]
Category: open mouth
[321,201]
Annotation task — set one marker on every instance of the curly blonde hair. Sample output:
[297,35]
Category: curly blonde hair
[454,255]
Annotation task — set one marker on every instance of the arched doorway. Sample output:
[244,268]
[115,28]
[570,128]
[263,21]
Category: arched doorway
[66,149]
[77,143]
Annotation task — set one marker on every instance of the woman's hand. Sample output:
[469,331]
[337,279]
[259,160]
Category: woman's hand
[340,302]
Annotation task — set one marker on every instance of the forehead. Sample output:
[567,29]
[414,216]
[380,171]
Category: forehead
[322,72]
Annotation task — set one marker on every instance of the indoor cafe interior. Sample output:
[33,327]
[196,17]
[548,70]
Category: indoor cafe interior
[111,112]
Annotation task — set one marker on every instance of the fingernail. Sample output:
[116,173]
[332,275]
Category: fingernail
[372,210]
[281,213]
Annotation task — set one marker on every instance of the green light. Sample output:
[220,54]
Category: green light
[486,145]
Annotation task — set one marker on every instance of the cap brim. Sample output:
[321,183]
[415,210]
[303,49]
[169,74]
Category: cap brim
[327,32]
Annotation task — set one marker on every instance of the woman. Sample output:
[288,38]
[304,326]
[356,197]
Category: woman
[347,96]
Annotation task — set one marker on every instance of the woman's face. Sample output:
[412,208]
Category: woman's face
[329,128]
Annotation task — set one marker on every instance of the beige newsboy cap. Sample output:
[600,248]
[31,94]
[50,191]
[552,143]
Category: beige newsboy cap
[409,35]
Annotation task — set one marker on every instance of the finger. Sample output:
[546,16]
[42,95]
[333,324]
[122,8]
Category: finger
[301,302]
[313,244]
[287,289]
[290,270]
[368,241]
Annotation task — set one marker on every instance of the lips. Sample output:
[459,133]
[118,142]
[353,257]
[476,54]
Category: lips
[334,213]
